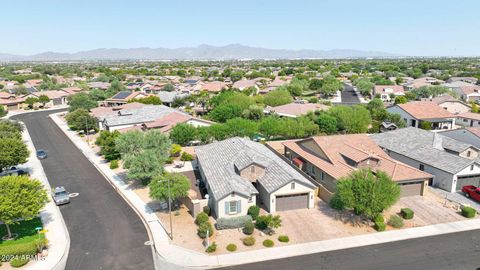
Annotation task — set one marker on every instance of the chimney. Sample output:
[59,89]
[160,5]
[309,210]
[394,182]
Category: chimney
[437,141]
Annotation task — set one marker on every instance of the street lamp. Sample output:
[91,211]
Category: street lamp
[86,130]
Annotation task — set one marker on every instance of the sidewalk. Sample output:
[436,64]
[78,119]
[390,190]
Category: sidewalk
[57,233]
[188,258]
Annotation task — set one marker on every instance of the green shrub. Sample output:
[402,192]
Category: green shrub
[231,247]
[467,211]
[284,238]
[268,243]
[380,226]
[203,228]
[253,211]
[232,223]
[249,227]
[406,213]
[175,150]
[18,262]
[249,241]
[17,248]
[268,223]
[212,248]
[206,210]
[395,221]
[261,222]
[170,160]
[202,217]
[379,219]
[114,164]
[186,157]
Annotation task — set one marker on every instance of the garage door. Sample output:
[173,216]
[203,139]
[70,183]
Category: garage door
[291,202]
[411,189]
[468,180]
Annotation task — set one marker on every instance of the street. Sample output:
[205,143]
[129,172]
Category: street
[458,251]
[105,232]
[349,97]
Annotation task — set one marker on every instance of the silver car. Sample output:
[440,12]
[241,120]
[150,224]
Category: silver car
[60,196]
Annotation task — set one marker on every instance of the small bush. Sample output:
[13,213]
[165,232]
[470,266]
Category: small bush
[284,238]
[232,223]
[249,241]
[175,150]
[406,213]
[170,160]
[395,221]
[203,228]
[201,218]
[253,211]
[186,157]
[231,247]
[467,211]
[380,226]
[336,203]
[268,243]
[18,262]
[212,248]
[249,227]
[114,164]
[261,222]
[206,210]
[379,219]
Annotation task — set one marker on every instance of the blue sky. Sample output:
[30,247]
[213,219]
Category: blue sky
[421,27]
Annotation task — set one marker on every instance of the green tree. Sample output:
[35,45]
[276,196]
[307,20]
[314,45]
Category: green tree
[3,112]
[254,112]
[297,86]
[168,87]
[400,100]
[13,151]
[366,192]
[20,198]
[315,84]
[426,125]
[224,112]
[80,119]
[10,129]
[270,127]
[144,166]
[277,97]
[153,100]
[330,86]
[179,186]
[241,127]
[183,133]
[43,99]
[365,87]
[327,123]
[106,142]
[81,101]
[30,101]
[354,119]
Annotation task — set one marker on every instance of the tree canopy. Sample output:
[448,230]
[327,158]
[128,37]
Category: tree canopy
[179,186]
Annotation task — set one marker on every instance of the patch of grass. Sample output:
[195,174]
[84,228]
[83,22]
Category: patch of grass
[18,262]
[284,238]
[231,247]
[268,243]
[28,241]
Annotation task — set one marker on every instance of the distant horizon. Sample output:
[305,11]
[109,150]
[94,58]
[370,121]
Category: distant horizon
[428,28]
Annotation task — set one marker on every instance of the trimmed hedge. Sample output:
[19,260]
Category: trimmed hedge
[231,247]
[249,241]
[201,218]
[253,211]
[380,226]
[203,228]
[379,219]
[468,212]
[232,223]
[284,238]
[212,248]
[406,213]
[114,164]
[19,262]
[395,221]
[268,243]
[249,227]
[22,249]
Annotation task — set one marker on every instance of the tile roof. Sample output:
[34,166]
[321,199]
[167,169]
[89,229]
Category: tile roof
[52,94]
[296,109]
[144,114]
[101,112]
[215,86]
[219,159]
[425,110]
[389,89]
[166,96]
[470,115]
[418,144]
[357,147]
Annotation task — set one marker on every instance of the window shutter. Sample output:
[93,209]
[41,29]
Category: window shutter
[239,206]
[227,208]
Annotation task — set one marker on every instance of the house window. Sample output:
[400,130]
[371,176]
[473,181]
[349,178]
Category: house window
[421,167]
[465,120]
[292,186]
[471,167]
[322,176]
[233,207]
[468,153]
[250,199]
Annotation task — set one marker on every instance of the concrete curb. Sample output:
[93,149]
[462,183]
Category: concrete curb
[167,252]
[57,232]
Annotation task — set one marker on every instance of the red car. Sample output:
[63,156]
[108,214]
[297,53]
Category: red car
[472,192]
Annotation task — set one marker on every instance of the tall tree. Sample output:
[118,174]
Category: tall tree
[277,97]
[43,99]
[177,182]
[81,101]
[13,151]
[183,133]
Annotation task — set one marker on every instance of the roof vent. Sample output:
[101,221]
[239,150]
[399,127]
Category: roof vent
[437,142]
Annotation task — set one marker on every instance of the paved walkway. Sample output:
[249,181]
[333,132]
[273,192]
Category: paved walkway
[457,197]
[179,256]
[57,233]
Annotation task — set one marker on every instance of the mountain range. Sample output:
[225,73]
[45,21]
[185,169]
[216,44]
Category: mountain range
[202,52]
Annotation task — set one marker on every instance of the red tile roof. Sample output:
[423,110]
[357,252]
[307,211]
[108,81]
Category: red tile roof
[425,110]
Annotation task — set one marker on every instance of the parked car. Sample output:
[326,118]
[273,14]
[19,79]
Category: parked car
[41,154]
[472,192]
[60,196]
[12,171]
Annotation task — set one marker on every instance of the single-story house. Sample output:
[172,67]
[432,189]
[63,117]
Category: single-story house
[57,97]
[99,85]
[168,98]
[244,84]
[149,117]
[416,112]
[450,104]
[214,87]
[124,97]
[101,112]
[10,101]
[468,119]
[467,91]
[424,81]
[329,158]
[469,135]
[453,163]
[385,91]
[239,173]
[463,79]
[295,109]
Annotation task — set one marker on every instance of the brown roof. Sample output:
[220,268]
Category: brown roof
[470,89]
[297,109]
[52,94]
[104,111]
[474,130]
[425,110]
[168,121]
[395,88]
[214,86]
[469,115]
[357,147]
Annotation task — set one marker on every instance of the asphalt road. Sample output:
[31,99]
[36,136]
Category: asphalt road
[105,232]
[348,95]
[459,251]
